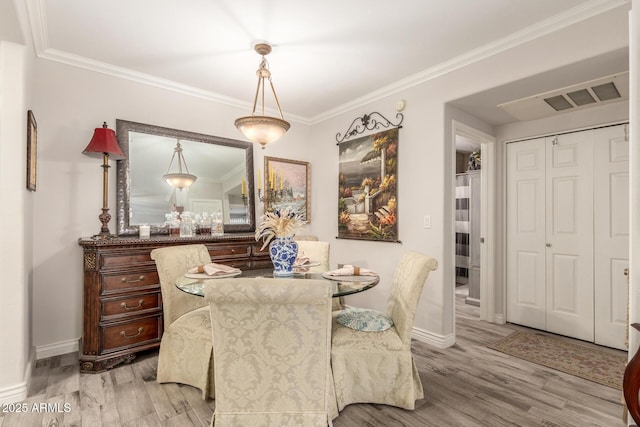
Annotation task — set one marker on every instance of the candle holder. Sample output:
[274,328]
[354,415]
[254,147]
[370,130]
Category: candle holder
[270,196]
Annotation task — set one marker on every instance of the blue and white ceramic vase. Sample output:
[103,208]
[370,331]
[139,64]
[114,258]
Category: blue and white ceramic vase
[283,251]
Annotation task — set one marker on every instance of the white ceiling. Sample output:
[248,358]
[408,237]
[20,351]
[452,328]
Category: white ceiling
[327,55]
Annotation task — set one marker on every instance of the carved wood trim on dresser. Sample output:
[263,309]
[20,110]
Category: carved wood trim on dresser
[122,299]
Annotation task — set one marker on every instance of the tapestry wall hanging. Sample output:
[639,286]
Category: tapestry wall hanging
[367,194]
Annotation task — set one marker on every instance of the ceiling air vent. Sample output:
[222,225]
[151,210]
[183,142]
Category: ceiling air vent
[606,91]
[581,97]
[558,103]
[577,97]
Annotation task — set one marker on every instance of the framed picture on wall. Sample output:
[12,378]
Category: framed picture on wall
[286,183]
[32,152]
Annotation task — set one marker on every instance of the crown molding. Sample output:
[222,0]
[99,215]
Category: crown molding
[542,28]
[36,13]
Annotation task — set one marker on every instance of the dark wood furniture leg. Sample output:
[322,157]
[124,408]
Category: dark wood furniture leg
[631,383]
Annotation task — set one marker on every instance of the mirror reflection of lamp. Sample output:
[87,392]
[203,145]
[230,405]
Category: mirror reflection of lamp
[179,179]
[104,143]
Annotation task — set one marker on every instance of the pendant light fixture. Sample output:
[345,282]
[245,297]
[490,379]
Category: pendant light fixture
[179,179]
[260,128]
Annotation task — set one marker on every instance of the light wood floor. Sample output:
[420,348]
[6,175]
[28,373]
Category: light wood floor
[464,385]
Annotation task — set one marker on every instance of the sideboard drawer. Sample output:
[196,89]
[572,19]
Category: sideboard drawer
[132,305]
[125,259]
[230,251]
[126,334]
[259,252]
[122,282]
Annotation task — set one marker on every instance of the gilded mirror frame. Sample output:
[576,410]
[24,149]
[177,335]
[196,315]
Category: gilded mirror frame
[123,196]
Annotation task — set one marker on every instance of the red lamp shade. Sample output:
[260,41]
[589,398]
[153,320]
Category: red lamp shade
[104,141]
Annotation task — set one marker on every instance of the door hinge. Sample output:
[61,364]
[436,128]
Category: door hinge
[626,132]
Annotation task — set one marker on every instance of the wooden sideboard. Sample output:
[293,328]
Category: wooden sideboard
[122,298]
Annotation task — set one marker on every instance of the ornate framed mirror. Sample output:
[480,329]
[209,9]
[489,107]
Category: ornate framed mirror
[223,186]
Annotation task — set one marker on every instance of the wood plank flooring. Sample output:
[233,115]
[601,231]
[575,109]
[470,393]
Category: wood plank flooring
[465,385]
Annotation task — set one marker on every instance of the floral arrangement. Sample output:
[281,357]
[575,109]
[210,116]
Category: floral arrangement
[366,182]
[280,223]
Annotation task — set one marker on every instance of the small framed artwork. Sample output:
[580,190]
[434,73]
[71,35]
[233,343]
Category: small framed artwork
[32,150]
[286,183]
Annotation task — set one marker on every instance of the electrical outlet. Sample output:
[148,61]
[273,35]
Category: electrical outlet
[427,221]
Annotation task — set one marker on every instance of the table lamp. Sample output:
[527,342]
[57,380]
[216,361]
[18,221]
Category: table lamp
[104,143]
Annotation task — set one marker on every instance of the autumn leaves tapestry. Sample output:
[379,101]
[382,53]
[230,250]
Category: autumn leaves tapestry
[368,203]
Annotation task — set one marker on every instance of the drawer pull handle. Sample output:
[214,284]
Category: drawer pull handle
[124,334]
[125,280]
[124,305]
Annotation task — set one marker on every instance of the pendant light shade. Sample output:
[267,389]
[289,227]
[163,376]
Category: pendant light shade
[260,128]
[179,179]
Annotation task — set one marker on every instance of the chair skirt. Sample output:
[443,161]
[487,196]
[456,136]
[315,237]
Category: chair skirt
[188,339]
[373,367]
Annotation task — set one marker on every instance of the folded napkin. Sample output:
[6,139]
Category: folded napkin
[213,269]
[302,260]
[351,270]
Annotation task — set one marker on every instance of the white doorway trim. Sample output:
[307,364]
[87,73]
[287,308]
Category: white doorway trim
[487,218]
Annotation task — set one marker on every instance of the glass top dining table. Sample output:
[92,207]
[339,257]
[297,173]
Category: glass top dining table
[342,285]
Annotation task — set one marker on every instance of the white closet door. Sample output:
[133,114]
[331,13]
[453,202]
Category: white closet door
[611,234]
[526,304]
[569,236]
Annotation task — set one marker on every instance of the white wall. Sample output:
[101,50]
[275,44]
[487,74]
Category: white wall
[15,225]
[563,122]
[70,102]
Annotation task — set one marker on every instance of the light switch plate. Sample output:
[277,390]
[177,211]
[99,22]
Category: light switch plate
[427,221]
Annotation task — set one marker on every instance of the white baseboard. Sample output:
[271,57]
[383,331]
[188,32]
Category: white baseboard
[14,393]
[56,349]
[438,341]
[18,392]
[499,319]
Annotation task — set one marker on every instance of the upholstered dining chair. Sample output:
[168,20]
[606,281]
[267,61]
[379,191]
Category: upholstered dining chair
[305,237]
[319,251]
[371,351]
[271,344]
[316,251]
[185,350]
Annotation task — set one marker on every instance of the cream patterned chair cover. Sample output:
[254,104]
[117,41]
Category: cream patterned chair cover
[377,367]
[272,342]
[316,251]
[319,251]
[304,237]
[186,353]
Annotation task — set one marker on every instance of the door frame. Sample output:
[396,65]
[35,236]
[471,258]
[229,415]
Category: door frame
[487,218]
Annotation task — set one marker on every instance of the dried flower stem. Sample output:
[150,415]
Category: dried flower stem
[281,223]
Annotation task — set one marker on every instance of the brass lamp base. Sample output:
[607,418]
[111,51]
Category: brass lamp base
[104,218]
